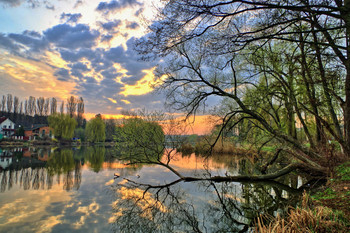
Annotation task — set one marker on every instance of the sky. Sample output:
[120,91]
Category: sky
[84,48]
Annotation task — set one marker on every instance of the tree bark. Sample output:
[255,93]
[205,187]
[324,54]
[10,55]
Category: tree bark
[346,107]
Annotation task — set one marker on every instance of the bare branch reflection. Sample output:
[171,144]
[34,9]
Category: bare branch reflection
[215,207]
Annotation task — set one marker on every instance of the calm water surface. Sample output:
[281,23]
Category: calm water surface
[74,190]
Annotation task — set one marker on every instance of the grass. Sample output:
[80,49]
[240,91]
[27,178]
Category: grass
[307,218]
[343,171]
[328,210]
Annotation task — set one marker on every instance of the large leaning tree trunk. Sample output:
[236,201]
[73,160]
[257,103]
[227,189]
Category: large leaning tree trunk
[209,48]
[345,13]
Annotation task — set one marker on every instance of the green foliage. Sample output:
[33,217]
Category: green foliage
[61,162]
[63,125]
[20,131]
[110,129]
[140,140]
[79,133]
[96,157]
[328,193]
[343,171]
[95,130]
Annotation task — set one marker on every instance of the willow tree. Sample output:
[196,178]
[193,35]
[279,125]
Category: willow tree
[140,140]
[63,125]
[95,130]
[208,45]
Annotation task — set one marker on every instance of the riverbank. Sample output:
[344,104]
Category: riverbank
[15,143]
[325,210]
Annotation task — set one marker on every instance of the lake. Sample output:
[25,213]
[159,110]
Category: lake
[87,189]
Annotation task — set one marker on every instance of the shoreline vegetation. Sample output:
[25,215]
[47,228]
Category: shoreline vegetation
[16,143]
[325,210]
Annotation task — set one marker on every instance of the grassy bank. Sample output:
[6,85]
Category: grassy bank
[327,210]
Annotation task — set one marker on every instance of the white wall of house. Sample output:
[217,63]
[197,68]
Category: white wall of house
[7,124]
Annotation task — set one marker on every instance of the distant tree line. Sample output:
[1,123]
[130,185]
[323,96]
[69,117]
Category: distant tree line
[36,110]
[66,118]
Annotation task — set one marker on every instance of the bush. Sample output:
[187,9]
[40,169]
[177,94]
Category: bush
[186,149]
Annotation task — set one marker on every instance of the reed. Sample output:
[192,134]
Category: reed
[303,219]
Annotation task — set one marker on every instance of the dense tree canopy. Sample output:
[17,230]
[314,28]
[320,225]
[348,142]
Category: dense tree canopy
[282,66]
[95,130]
[140,140]
[63,125]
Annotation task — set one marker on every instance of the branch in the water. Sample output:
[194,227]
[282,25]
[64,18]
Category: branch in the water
[158,163]
[238,178]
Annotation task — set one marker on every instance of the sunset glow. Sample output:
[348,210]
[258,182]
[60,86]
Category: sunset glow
[82,49]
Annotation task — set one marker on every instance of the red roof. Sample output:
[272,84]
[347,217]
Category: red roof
[2,119]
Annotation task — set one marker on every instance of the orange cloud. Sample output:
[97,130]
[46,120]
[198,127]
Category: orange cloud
[143,86]
[28,76]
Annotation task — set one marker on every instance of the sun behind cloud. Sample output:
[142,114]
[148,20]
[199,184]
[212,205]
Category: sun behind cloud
[143,86]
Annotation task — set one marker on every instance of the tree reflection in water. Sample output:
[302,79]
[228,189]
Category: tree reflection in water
[35,172]
[95,157]
[212,207]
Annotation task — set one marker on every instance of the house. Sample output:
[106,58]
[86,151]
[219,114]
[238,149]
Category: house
[38,131]
[7,127]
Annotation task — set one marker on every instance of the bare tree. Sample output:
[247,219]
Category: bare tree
[214,43]
[9,103]
[26,109]
[62,107]
[80,111]
[3,103]
[31,106]
[15,105]
[53,105]
[21,108]
[47,106]
[40,106]
[71,106]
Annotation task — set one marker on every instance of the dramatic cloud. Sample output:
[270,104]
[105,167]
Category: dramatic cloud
[114,5]
[132,25]
[11,3]
[106,38]
[109,76]
[9,44]
[62,74]
[72,37]
[111,25]
[71,18]
[31,39]
[30,3]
